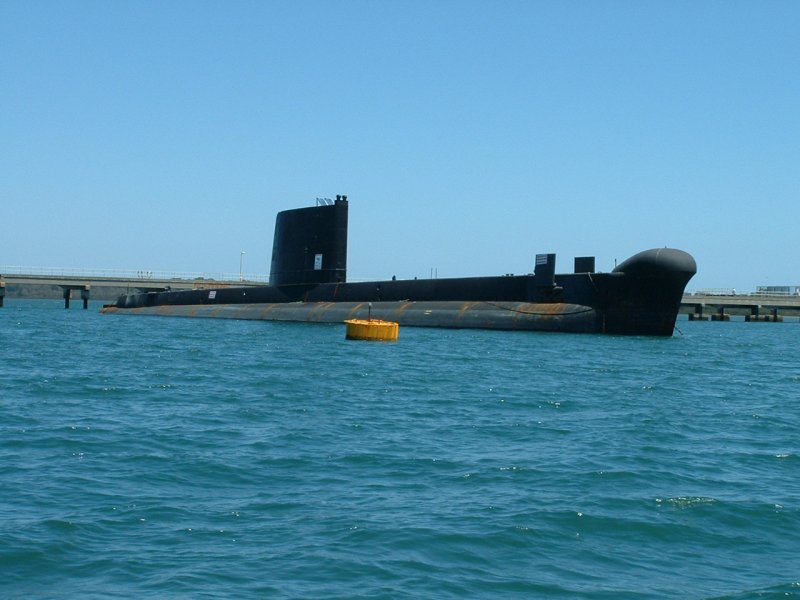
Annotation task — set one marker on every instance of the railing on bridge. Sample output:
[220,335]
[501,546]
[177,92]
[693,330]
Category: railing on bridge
[714,292]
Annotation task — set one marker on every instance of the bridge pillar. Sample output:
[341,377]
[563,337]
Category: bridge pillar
[67,296]
[754,315]
[2,292]
[85,296]
[721,315]
[698,315]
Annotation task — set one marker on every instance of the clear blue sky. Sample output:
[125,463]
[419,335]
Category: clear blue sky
[469,136]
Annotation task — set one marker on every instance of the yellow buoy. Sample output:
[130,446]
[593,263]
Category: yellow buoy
[372,329]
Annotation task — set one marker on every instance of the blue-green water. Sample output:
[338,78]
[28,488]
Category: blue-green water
[186,458]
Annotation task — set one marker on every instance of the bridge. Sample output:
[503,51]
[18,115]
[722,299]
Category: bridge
[83,281]
[756,306]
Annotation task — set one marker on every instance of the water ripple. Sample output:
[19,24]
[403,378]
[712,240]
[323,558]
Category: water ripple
[185,458]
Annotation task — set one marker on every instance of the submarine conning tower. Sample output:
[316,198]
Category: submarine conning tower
[310,244]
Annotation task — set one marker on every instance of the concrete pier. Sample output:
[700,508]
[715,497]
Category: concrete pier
[753,308]
[102,287]
[757,317]
[695,311]
[720,315]
[85,293]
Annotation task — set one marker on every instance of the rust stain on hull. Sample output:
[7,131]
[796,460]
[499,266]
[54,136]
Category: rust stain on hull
[456,315]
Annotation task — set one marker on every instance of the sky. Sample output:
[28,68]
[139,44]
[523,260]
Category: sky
[468,135]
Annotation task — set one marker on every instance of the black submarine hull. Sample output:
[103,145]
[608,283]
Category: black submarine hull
[520,316]
[641,296]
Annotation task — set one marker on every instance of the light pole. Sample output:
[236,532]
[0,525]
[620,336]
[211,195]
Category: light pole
[241,263]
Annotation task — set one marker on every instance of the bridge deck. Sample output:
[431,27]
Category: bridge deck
[133,282]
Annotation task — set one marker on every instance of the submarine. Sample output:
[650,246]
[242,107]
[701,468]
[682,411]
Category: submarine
[308,283]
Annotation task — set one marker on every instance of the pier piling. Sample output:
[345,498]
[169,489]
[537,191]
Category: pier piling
[721,315]
[85,294]
[756,317]
[698,315]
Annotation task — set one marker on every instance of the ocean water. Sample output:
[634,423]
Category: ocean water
[146,457]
